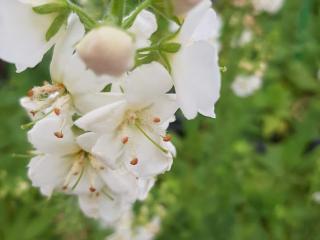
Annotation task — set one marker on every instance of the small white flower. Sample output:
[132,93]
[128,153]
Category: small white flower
[195,68]
[133,125]
[23,32]
[316,197]
[245,38]
[270,6]
[244,86]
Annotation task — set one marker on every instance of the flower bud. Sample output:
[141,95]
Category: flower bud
[181,7]
[107,50]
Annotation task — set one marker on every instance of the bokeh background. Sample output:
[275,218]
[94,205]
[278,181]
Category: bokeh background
[251,173]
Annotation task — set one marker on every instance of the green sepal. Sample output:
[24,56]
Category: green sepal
[56,24]
[50,8]
[170,47]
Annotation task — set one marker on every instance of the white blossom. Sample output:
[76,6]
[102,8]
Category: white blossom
[133,124]
[195,68]
[270,6]
[244,86]
[23,32]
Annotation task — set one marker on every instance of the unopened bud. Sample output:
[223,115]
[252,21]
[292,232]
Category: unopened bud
[181,7]
[107,50]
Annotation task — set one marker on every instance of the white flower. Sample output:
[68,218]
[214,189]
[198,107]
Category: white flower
[244,86]
[195,68]
[270,6]
[133,127]
[245,38]
[23,32]
[316,197]
[69,78]
[66,163]
[110,50]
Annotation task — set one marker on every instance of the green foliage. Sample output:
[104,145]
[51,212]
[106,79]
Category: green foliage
[245,175]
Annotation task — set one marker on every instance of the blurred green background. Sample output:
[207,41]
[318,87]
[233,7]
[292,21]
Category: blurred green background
[251,173]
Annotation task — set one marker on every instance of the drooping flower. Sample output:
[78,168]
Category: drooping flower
[244,86]
[132,129]
[23,33]
[195,68]
[110,50]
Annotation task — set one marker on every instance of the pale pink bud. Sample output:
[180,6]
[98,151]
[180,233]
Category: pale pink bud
[181,7]
[107,50]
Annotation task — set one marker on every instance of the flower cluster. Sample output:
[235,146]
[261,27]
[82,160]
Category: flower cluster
[99,126]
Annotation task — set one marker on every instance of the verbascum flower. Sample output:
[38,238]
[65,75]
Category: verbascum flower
[244,86]
[270,6]
[23,32]
[132,126]
[195,68]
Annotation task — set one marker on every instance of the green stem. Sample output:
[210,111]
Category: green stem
[150,139]
[129,21]
[117,11]
[84,17]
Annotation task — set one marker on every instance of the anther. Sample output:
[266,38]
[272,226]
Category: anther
[167,138]
[156,120]
[30,93]
[134,161]
[57,111]
[125,140]
[64,188]
[92,189]
[58,134]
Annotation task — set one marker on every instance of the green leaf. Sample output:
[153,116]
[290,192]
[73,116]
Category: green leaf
[56,25]
[50,8]
[170,47]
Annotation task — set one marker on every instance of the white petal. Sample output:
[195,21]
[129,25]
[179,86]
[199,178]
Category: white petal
[208,28]
[122,183]
[23,33]
[163,108]
[151,160]
[104,119]
[192,21]
[145,185]
[87,102]
[42,136]
[143,27]
[197,79]
[48,172]
[102,207]
[87,141]
[109,148]
[147,83]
